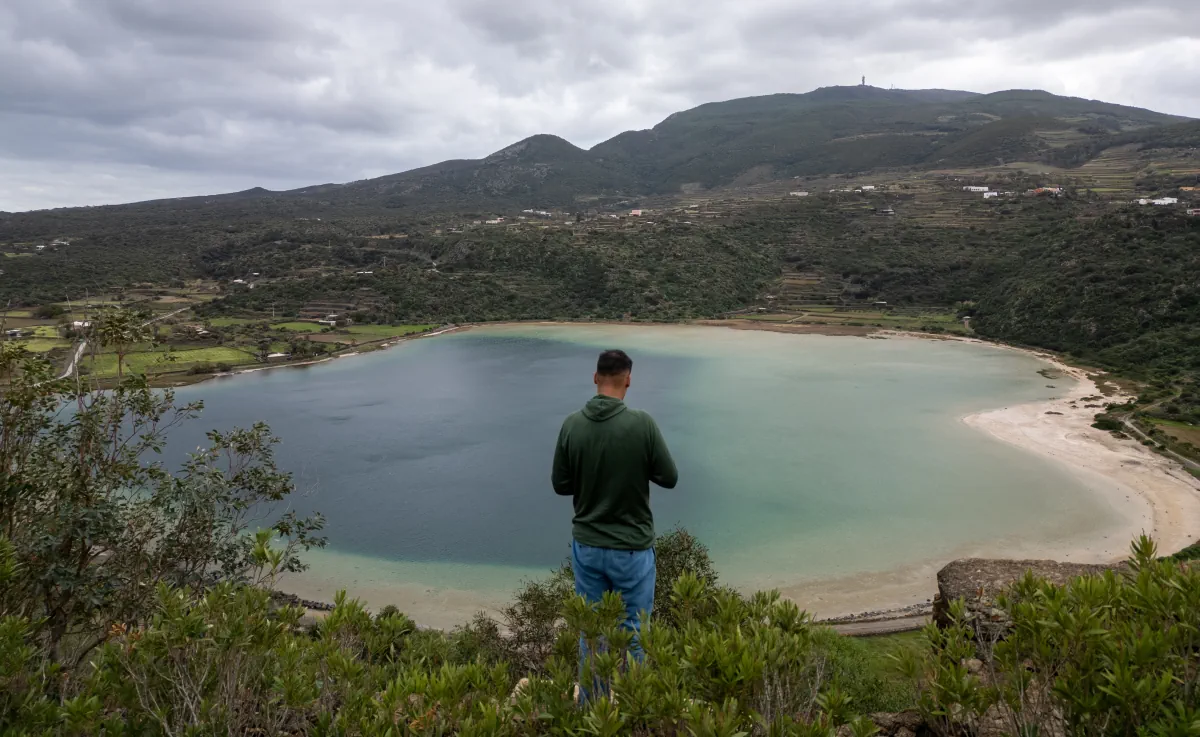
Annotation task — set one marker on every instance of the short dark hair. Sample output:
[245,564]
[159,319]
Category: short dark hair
[614,363]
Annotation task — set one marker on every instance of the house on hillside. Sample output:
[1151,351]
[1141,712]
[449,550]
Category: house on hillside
[868,187]
[1194,211]
[989,195]
[635,213]
[798,194]
[1189,189]
[885,211]
[975,189]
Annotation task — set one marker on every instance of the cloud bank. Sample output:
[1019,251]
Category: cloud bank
[106,101]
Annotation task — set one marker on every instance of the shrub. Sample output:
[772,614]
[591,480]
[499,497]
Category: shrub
[1112,654]
[226,661]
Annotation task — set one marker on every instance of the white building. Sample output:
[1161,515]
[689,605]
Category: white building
[989,195]
[1165,201]
[975,189]
[798,194]
[868,187]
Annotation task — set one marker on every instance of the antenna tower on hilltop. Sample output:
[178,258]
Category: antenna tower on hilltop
[864,81]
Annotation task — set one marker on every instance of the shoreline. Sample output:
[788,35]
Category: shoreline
[1143,490]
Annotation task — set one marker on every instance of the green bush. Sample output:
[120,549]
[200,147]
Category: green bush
[226,661]
[1112,654]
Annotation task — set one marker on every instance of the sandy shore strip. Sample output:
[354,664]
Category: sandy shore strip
[1170,493]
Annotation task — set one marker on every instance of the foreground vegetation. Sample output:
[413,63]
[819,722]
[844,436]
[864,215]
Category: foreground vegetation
[134,601]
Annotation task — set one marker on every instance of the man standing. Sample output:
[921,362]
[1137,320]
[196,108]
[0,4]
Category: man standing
[606,457]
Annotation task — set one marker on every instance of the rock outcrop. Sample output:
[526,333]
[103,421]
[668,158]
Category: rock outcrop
[978,581]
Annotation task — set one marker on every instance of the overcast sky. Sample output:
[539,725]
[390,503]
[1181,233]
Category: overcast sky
[106,101]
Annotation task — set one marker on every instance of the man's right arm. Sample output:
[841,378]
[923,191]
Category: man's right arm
[662,466]
[560,474]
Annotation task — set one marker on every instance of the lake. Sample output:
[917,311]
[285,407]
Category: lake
[802,457]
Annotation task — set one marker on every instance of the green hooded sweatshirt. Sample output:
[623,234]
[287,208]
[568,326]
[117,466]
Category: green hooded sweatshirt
[606,457]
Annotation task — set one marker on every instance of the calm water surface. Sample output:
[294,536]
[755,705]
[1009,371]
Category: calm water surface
[800,456]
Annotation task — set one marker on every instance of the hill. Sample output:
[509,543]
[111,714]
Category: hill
[827,131]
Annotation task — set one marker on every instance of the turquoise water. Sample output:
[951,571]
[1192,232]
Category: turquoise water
[801,456]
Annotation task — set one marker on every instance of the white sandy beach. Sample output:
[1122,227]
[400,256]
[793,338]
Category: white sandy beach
[1157,495]
[1148,492]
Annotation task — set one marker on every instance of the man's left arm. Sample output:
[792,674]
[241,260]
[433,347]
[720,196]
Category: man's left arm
[560,474]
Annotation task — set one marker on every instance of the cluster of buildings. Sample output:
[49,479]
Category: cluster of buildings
[1168,201]
[988,193]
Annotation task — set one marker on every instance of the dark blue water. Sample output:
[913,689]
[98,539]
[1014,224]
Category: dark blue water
[441,449]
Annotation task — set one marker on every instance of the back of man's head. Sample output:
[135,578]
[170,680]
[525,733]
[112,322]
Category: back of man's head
[614,363]
[612,372]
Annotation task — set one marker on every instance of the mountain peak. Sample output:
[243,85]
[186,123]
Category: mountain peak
[542,148]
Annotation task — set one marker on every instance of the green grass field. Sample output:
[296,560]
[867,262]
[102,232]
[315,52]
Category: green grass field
[298,327]
[224,322]
[45,331]
[1180,431]
[375,332]
[43,345]
[18,313]
[155,361]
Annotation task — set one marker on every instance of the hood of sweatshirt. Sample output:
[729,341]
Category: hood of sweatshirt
[600,408]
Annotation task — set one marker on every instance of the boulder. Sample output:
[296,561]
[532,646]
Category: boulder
[899,724]
[978,581]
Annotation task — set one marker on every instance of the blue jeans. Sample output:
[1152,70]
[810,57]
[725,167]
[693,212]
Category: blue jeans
[628,572]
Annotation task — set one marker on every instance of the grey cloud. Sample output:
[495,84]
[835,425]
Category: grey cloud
[133,98]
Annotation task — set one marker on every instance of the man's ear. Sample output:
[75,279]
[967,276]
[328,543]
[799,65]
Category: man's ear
[628,377]
[596,379]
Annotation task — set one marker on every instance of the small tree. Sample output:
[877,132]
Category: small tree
[97,524]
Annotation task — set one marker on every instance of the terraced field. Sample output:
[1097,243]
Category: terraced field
[906,318]
[1114,171]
